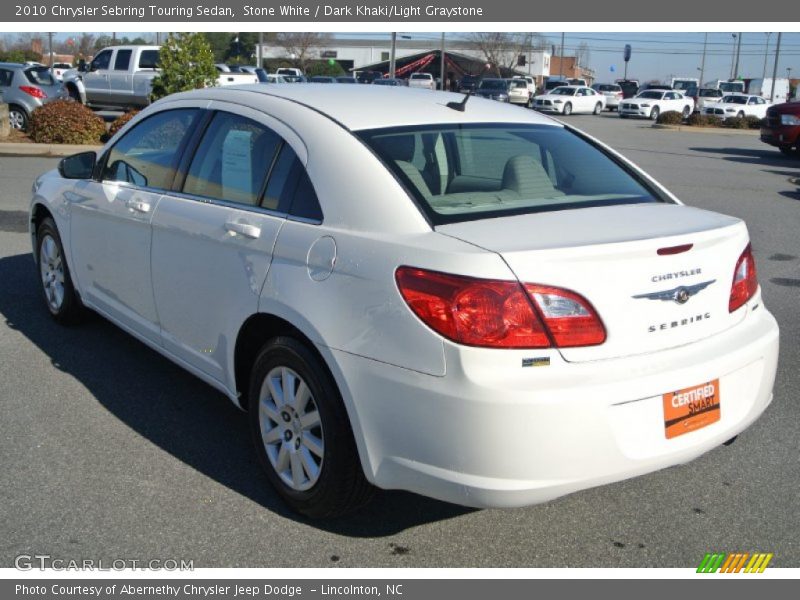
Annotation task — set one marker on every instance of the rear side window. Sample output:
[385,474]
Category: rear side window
[123,60]
[40,76]
[232,160]
[5,77]
[148,59]
[290,189]
[147,155]
[481,171]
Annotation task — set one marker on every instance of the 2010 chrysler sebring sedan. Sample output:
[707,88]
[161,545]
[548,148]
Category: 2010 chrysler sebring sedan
[411,291]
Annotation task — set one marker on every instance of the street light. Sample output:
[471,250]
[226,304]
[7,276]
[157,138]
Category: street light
[733,53]
[766,51]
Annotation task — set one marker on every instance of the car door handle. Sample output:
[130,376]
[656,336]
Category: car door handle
[244,229]
[138,206]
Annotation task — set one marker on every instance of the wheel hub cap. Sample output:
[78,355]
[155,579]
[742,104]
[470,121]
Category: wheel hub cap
[51,268]
[291,429]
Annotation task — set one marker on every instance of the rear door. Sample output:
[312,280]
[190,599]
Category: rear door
[213,236]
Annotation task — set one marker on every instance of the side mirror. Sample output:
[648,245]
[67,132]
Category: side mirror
[78,166]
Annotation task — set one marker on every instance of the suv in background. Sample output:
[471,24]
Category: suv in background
[704,96]
[26,88]
[613,93]
[468,84]
[630,87]
[782,127]
[422,80]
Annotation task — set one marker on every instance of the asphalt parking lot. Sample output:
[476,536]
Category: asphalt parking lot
[110,451]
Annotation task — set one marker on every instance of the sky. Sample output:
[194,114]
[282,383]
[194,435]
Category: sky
[656,55]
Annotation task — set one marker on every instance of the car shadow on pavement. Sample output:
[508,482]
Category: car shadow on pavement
[767,156]
[176,411]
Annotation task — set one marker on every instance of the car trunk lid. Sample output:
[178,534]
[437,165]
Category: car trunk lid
[658,275]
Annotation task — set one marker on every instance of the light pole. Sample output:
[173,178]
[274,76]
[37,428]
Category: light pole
[733,54]
[775,68]
[392,54]
[561,58]
[441,66]
[766,51]
[738,50]
[703,63]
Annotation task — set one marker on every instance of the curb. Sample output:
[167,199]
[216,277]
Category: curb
[43,150]
[719,130]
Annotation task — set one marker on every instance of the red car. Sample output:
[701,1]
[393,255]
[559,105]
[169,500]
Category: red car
[782,127]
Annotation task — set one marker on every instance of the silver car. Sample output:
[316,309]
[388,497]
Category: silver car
[25,88]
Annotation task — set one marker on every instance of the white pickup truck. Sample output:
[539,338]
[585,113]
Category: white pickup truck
[122,76]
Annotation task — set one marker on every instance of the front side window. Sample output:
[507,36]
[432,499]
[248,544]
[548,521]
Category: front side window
[148,59]
[480,171]
[102,61]
[232,160]
[147,155]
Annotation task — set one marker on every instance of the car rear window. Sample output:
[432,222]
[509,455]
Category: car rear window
[475,171]
[608,88]
[40,76]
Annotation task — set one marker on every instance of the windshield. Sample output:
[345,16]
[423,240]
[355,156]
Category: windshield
[680,84]
[608,88]
[420,76]
[651,95]
[732,86]
[519,83]
[563,91]
[735,99]
[492,84]
[477,171]
[710,93]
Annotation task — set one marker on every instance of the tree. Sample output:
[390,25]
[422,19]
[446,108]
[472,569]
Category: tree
[103,41]
[502,49]
[324,67]
[186,63]
[582,55]
[301,47]
[84,46]
[219,42]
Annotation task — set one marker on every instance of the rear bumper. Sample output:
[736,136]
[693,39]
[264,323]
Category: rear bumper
[493,434]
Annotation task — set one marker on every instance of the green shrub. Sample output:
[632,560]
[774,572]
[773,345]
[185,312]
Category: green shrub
[671,117]
[65,122]
[697,120]
[753,122]
[186,62]
[735,123]
[119,123]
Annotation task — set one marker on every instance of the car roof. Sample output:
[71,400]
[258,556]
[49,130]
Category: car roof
[14,65]
[373,107]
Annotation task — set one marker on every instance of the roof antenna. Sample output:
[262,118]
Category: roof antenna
[459,106]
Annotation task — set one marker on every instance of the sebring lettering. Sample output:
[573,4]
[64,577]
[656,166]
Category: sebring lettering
[680,323]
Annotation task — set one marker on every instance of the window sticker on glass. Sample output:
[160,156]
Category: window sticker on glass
[237,165]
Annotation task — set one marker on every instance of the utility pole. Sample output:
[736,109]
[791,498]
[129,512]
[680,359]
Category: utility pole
[733,54]
[50,49]
[561,58]
[703,62]
[766,51]
[738,50]
[260,51]
[775,69]
[392,54]
[441,66]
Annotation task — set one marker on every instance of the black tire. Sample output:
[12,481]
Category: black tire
[73,93]
[70,309]
[598,108]
[687,110]
[339,486]
[568,109]
[654,113]
[621,116]
[17,117]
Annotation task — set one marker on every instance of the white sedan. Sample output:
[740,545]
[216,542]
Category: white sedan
[496,310]
[651,103]
[570,99]
[738,105]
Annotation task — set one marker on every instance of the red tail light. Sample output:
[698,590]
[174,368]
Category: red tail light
[33,91]
[745,280]
[499,314]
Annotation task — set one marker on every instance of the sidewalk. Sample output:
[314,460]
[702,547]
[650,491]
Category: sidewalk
[46,150]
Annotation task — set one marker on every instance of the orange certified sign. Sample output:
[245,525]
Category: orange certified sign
[691,408]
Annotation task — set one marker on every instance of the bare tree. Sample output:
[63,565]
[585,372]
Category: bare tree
[582,55]
[502,49]
[302,47]
[84,46]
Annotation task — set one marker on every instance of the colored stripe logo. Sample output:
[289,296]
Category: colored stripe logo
[736,562]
